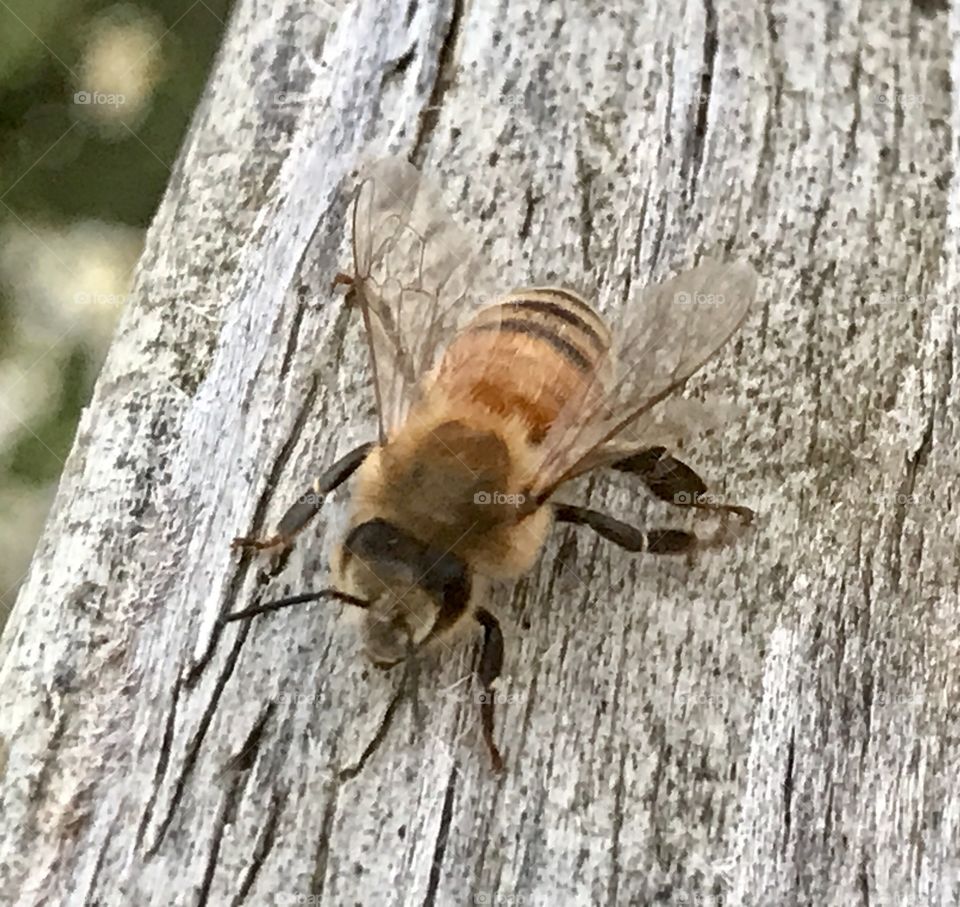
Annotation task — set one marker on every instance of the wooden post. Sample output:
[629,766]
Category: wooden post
[776,723]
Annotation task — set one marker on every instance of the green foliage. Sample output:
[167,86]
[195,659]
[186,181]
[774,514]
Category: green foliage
[55,165]
[63,165]
[38,455]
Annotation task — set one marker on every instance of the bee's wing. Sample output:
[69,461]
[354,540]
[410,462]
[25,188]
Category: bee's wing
[671,330]
[417,277]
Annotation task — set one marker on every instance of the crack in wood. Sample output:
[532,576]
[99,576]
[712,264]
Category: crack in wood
[237,773]
[761,194]
[396,68]
[163,760]
[788,792]
[412,7]
[193,747]
[88,899]
[668,106]
[219,826]
[256,527]
[294,335]
[247,757]
[529,201]
[851,145]
[322,856]
[696,139]
[440,843]
[443,79]
[263,846]
[244,760]
[863,880]
[818,218]
[661,232]
[585,177]
[904,495]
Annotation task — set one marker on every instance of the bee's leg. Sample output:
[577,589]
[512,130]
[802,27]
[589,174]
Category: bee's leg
[652,541]
[491,663]
[674,482]
[308,504]
[385,723]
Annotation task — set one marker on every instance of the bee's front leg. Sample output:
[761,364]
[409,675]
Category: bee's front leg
[309,503]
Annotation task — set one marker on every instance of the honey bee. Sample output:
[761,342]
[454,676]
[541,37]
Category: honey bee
[485,411]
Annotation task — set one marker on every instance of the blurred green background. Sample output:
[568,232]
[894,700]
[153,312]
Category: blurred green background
[95,99]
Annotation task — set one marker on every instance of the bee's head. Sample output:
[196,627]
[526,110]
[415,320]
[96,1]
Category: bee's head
[414,590]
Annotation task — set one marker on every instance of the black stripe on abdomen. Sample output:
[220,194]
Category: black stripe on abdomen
[555,310]
[567,296]
[570,297]
[573,353]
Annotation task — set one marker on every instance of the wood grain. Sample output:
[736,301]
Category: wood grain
[774,724]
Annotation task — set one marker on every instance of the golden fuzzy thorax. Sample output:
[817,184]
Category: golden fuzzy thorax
[453,479]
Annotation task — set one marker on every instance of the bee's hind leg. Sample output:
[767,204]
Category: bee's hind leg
[309,503]
[673,481]
[651,541]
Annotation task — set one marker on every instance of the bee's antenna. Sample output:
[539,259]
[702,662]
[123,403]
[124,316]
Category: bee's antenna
[305,597]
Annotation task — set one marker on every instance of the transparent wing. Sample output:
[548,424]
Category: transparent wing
[671,330]
[416,276]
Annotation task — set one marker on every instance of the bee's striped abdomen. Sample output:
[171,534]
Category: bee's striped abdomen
[529,354]
[557,316]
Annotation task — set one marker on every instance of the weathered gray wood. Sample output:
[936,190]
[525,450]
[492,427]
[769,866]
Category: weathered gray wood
[776,724]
